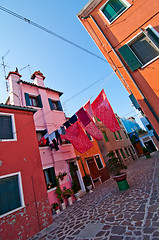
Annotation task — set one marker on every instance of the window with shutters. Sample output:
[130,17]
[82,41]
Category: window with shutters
[11,194]
[122,153]
[105,136]
[7,127]
[114,8]
[119,135]
[55,105]
[141,50]
[34,101]
[115,136]
[50,178]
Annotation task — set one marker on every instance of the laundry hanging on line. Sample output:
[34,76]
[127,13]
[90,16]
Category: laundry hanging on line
[76,135]
[88,125]
[103,110]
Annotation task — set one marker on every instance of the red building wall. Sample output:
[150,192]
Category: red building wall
[23,156]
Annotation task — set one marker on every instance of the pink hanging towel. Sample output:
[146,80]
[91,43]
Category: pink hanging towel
[90,127]
[88,108]
[103,110]
[78,138]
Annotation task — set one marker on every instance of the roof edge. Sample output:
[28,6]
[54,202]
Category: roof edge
[46,88]
[18,108]
[89,7]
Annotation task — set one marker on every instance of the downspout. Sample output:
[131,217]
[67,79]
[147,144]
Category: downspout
[146,101]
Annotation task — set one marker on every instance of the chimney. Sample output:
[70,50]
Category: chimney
[14,93]
[38,78]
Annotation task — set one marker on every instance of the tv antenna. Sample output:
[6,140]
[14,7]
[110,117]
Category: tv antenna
[26,67]
[4,68]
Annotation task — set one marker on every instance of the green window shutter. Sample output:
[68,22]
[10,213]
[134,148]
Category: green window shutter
[39,101]
[119,135]
[134,101]
[27,99]
[51,104]
[115,136]
[113,8]
[122,153]
[105,136]
[129,57]
[59,106]
[153,37]
[127,152]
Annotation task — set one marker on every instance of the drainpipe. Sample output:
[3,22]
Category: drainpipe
[114,51]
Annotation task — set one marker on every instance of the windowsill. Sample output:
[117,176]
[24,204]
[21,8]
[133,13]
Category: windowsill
[55,110]
[51,190]
[8,140]
[45,147]
[146,64]
[15,210]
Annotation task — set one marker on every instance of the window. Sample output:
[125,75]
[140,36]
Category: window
[115,136]
[142,49]
[39,135]
[118,155]
[126,134]
[89,136]
[98,161]
[119,121]
[50,180]
[55,105]
[114,8]
[127,152]
[7,127]
[119,134]
[122,153]
[11,197]
[34,101]
[105,136]
[132,149]
[149,127]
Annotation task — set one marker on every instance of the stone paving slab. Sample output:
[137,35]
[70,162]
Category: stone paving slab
[122,215]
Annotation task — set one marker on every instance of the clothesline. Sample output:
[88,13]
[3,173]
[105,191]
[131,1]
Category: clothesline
[72,129]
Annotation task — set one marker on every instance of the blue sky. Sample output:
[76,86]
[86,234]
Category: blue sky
[66,68]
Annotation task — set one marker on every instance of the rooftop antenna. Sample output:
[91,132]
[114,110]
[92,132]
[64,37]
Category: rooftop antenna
[4,68]
[26,67]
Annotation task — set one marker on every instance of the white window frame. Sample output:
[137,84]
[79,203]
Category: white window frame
[124,1]
[45,168]
[138,36]
[13,127]
[20,192]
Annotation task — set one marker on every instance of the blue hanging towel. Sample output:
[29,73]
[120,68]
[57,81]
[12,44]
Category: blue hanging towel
[67,124]
[73,119]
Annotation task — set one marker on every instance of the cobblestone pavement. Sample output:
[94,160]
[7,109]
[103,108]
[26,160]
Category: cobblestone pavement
[110,214]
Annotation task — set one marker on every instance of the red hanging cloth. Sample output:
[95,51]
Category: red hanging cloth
[78,138]
[88,124]
[103,110]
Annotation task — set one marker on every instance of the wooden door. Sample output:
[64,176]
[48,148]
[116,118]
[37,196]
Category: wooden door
[93,168]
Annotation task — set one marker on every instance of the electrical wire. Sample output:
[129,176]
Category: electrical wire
[50,32]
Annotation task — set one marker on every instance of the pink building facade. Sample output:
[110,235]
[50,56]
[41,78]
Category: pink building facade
[48,118]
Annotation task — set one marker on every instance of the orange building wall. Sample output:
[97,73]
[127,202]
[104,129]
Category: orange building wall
[140,14]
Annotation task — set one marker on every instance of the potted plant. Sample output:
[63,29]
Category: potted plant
[87,182]
[76,188]
[58,192]
[146,152]
[55,208]
[62,175]
[67,193]
[115,167]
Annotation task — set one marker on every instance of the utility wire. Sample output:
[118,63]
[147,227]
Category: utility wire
[50,32]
